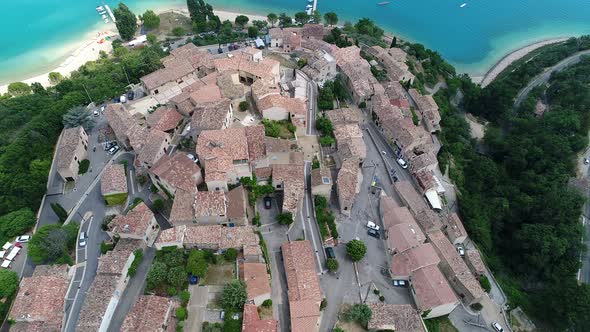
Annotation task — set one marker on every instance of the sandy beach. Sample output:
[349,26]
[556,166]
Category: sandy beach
[90,47]
[510,58]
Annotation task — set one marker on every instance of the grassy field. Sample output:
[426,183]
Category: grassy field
[220,274]
[440,324]
[169,21]
[116,199]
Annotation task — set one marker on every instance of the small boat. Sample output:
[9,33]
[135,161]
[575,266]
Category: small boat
[308,6]
[463,5]
[382,3]
[310,1]
[106,20]
[99,8]
[104,16]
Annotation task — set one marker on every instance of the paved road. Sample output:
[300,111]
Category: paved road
[546,75]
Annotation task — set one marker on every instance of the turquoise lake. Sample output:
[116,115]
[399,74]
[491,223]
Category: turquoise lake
[38,34]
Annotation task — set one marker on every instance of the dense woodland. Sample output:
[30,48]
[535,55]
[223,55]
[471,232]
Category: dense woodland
[513,188]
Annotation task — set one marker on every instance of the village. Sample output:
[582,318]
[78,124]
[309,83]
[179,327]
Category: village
[247,171]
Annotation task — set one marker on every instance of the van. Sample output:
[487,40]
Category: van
[82,239]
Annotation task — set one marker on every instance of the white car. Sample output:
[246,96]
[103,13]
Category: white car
[461,251]
[497,327]
[96,113]
[372,225]
[402,163]
[23,238]
[82,239]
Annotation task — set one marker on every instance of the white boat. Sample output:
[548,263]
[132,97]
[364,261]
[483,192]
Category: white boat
[99,8]
[308,7]
[383,3]
[463,5]
[106,20]
[104,16]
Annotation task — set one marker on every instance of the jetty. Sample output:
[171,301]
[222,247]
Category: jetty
[111,13]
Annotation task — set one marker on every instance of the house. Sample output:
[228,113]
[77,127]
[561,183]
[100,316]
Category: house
[113,184]
[344,116]
[313,45]
[395,317]
[121,122]
[348,185]
[257,281]
[315,30]
[39,303]
[165,119]
[394,62]
[262,89]
[212,116]
[237,206]
[321,182]
[183,210]
[71,150]
[455,269]
[250,66]
[405,263]
[428,109]
[253,254]
[182,67]
[251,321]
[150,145]
[151,313]
[429,220]
[432,293]
[214,237]
[454,229]
[210,207]
[474,262]
[174,172]
[230,154]
[321,67]
[288,39]
[282,151]
[107,287]
[231,88]
[356,73]
[303,287]
[139,223]
[350,143]
[404,236]
[289,179]
[278,107]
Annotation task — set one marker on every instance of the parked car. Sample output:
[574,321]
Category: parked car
[82,239]
[222,315]
[109,145]
[402,163]
[267,202]
[372,225]
[400,283]
[193,280]
[373,233]
[23,238]
[497,327]
[130,95]
[96,113]
[18,245]
[114,149]
[586,161]
[330,252]
[461,251]
[384,153]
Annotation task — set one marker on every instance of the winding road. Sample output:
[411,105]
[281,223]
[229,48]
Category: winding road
[546,75]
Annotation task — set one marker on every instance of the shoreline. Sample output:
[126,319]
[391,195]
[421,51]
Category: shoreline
[510,58]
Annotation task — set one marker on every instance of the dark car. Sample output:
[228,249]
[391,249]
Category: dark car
[267,202]
[373,233]
[330,252]
[193,280]
[130,95]
[109,145]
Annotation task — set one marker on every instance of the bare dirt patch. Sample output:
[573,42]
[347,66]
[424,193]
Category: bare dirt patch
[169,21]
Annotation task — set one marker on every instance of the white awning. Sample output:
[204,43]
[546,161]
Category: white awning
[433,199]
[6,246]
[439,187]
[6,264]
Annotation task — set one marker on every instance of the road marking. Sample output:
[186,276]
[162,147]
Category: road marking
[306,202]
[131,181]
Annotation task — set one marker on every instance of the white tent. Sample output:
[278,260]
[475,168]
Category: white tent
[433,199]
[13,253]
[6,264]
[6,246]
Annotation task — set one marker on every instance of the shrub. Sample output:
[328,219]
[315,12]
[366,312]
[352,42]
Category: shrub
[476,306]
[360,313]
[172,291]
[323,304]
[244,106]
[267,303]
[181,313]
[376,291]
[233,295]
[285,218]
[141,179]
[115,199]
[184,296]
[382,298]
[8,282]
[256,220]
[106,221]
[158,204]
[362,104]
[485,283]
[83,166]
[178,32]
[106,247]
[136,261]
[230,255]
[153,188]
[356,250]
[332,264]
[59,210]
[197,263]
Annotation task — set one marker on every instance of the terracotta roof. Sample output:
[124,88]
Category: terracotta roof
[164,119]
[149,147]
[113,179]
[210,203]
[183,207]
[113,262]
[410,196]
[172,235]
[68,143]
[252,250]
[184,96]
[405,236]
[304,315]
[425,179]
[428,220]
[318,45]
[220,236]
[96,302]
[119,119]
[344,115]
[423,161]
[40,301]
[302,279]
[294,106]
[292,178]
[455,227]
[60,271]
[398,317]
[137,221]
[317,31]
[278,144]
[431,288]
[263,172]
[257,279]
[149,313]
[255,138]
[229,88]
[236,203]
[205,94]
[263,88]
[349,137]
[211,116]
[178,171]
[321,176]
[473,259]
[348,181]
[455,265]
[264,69]
[405,263]
[392,214]
[252,323]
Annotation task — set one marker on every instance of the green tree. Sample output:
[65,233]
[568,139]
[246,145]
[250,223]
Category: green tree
[485,283]
[331,18]
[138,253]
[18,89]
[157,275]
[230,255]
[152,39]
[176,276]
[158,204]
[178,31]
[241,21]
[301,17]
[233,295]
[181,313]
[317,17]
[197,264]
[272,19]
[8,282]
[284,20]
[52,243]
[366,26]
[360,313]
[184,296]
[244,106]
[78,116]
[260,24]
[59,211]
[38,89]
[126,21]
[252,32]
[16,223]
[267,303]
[327,140]
[332,264]
[356,250]
[285,218]
[55,77]
[150,20]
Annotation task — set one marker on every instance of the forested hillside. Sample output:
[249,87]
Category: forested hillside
[514,198]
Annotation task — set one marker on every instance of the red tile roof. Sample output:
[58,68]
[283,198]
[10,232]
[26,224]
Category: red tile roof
[431,288]
[164,119]
[252,323]
[178,171]
[302,279]
[149,313]
[257,279]
[137,221]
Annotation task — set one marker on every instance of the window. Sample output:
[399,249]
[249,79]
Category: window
[345,208]
[279,186]
[156,91]
[75,158]
[216,188]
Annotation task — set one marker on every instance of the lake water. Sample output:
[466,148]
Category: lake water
[38,34]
